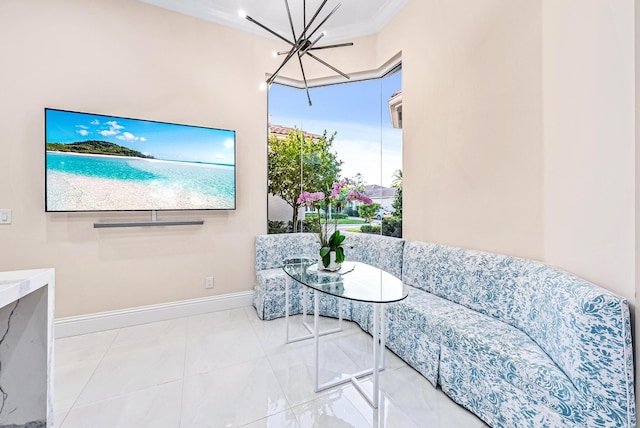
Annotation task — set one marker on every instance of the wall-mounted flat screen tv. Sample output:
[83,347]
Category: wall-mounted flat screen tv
[108,163]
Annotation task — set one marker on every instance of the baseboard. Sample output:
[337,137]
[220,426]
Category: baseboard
[100,321]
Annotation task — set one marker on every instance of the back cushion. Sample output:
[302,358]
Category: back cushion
[272,250]
[480,281]
[383,252]
[585,329]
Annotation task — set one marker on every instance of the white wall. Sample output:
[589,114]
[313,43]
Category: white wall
[591,187]
[126,58]
[519,130]
[130,59]
[589,137]
[472,124]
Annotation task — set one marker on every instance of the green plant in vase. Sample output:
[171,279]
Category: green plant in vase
[334,244]
[329,236]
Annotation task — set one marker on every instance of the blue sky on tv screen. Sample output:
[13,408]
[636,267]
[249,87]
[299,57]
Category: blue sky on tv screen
[161,140]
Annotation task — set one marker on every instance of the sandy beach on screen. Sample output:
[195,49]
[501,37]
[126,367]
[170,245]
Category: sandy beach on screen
[71,192]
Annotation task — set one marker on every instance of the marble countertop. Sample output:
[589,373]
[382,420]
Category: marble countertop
[17,284]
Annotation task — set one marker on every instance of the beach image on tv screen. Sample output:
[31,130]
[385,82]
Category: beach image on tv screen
[107,163]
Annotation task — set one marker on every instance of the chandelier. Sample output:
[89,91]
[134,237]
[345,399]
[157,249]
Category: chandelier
[303,43]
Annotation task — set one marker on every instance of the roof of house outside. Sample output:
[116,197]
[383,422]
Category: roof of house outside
[395,109]
[377,191]
[282,131]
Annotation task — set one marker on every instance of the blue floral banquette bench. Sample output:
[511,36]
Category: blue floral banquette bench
[518,342]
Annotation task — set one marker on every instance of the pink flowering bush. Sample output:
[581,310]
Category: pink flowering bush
[336,198]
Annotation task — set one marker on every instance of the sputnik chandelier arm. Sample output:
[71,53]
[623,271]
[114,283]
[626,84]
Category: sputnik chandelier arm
[302,45]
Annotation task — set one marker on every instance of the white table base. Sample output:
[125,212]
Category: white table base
[304,317]
[359,282]
[378,355]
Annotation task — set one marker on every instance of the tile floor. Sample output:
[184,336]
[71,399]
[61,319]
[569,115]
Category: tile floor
[229,369]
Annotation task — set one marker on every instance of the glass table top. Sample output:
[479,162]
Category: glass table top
[354,280]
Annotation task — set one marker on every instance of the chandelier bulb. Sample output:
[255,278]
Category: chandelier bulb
[301,44]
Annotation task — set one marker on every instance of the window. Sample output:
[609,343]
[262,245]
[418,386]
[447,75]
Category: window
[352,130]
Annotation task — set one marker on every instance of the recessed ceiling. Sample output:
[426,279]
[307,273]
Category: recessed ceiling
[354,18]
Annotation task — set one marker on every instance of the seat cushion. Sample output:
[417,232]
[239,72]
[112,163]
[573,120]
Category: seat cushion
[486,365]
[478,346]
[269,294]
[414,330]
[269,297]
[329,306]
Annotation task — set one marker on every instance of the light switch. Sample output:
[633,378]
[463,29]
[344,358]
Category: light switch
[5,216]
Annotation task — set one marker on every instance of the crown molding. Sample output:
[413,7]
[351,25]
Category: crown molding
[377,73]
[386,13]
[226,16]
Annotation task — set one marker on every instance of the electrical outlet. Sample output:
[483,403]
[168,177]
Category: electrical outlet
[5,216]
[208,282]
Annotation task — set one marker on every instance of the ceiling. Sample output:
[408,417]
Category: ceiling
[354,18]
